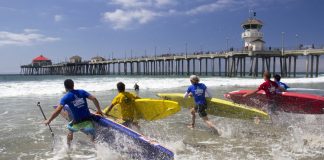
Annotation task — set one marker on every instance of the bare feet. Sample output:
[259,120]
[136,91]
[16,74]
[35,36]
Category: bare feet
[191,126]
[215,131]
[256,120]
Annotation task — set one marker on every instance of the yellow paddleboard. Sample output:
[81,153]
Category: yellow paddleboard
[218,107]
[149,109]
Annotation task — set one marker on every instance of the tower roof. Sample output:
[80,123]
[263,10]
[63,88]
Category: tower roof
[75,57]
[259,40]
[252,21]
[40,58]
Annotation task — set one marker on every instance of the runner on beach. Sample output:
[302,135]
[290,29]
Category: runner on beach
[76,100]
[198,91]
[127,102]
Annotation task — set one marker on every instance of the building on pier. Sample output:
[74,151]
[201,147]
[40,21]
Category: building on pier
[75,59]
[97,59]
[41,61]
[252,35]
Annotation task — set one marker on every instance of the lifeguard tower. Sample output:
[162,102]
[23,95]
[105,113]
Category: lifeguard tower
[252,35]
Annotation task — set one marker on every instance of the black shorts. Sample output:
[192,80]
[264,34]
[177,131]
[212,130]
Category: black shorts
[201,109]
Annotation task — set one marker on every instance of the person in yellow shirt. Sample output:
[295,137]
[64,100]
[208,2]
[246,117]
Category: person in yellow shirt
[127,102]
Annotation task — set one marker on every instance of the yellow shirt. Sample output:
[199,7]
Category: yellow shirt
[127,103]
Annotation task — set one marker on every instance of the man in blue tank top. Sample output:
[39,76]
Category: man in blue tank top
[76,100]
[198,91]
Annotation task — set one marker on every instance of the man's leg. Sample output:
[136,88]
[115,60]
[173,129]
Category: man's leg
[272,110]
[193,116]
[136,125]
[69,138]
[92,137]
[210,124]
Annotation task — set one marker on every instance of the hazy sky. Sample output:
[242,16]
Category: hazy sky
[59,29]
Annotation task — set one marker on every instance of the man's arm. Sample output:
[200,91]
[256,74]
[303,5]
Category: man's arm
[96,103]
[186,95]
[251,93]
[135,96]
[54,114]
[110,108]
[208,93]
[282,89]
[286,86]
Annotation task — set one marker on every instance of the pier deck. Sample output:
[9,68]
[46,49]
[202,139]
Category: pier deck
[229,64]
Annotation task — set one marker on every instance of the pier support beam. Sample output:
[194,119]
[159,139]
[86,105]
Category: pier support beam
[281,67]
[193,66]
[206,69]
[226,66]
[256,69]
[182,67]
[274,66]
[295,65]
[200,68]
[307,66]
[188,67]
[241,67]
[289,66]
[244,66]
[219,67]
[263,64]
[213,67]
[312,66]
[317,64]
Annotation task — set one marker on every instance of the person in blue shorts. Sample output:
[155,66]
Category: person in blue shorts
[76,100]
[198,91]
[277,79]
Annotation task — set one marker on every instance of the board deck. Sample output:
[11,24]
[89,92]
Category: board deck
[319,92]
[148,109]
[291,102]
[125,140]
[218,107]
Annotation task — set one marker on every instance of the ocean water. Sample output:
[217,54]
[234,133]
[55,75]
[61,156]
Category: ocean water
[23,136]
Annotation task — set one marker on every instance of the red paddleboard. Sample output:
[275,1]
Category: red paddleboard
[287,101]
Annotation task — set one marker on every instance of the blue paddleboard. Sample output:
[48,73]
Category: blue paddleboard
[124,140]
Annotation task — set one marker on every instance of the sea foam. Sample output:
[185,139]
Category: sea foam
[97,84]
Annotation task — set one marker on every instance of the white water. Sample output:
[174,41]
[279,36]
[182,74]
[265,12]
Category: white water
[22,136]
[97,84]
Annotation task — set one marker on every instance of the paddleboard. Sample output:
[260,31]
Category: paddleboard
[124,140]
[291,102]
[148,109]
[218,107]
[307,90]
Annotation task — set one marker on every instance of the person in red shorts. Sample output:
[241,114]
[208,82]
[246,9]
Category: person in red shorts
[269,87]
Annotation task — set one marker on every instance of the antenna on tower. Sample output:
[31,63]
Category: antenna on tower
[250,13]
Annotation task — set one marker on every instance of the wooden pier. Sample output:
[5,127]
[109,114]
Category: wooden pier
[229,64]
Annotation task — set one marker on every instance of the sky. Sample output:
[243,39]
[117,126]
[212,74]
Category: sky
[63,28]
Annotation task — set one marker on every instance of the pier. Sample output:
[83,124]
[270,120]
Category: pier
[229,64]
